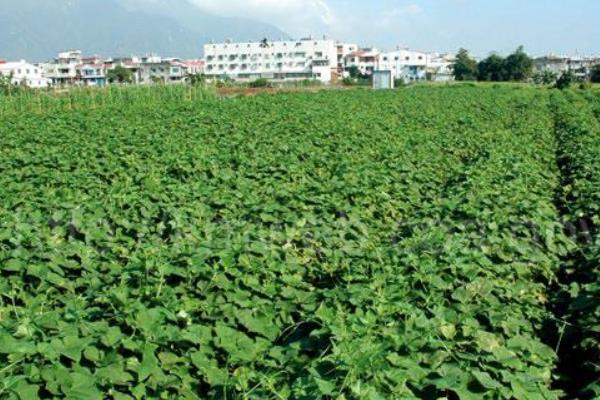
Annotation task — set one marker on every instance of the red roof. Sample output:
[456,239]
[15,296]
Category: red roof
[192,63]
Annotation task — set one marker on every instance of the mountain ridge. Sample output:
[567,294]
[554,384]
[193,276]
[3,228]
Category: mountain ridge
[37,29]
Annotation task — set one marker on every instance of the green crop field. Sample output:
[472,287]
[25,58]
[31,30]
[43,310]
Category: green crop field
[424,243]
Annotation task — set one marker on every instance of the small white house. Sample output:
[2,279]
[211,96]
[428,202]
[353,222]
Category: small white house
[24,73]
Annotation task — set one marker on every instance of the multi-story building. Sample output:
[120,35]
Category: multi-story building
[344,49]
[552,63]
[194,67]
[440,67]
[70,68]
[580,66]
[278,60]
[154,69]
[24,73]
[92,71]
[91,74]
[405,64]
[63,69]
[410,65]
[366,60]
[133,64]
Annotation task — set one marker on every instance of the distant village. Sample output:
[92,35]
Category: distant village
[323,60]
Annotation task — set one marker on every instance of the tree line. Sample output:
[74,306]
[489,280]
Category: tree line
[516,67]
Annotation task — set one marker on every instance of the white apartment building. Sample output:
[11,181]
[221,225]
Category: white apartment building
[410,65]
[91,74]
[278,60]
[194,67]
[154,69]
[343,50]
[440,67]
[580,66]
[24,73]
[63,69]
[405,64]
[133,64]
[365,59]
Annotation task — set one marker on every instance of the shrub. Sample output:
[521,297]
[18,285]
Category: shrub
[565,80]
[399,82]
[260,83]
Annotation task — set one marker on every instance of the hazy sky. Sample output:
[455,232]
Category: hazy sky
[482,26]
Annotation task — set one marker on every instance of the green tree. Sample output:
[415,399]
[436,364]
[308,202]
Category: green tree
[595,74]
[353,71]
[493,68]
[8,87]
[196,79]
[465,67]
[518,65]
[119,74]
[545,77]
[565,80]
[157,80]
[5,84]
